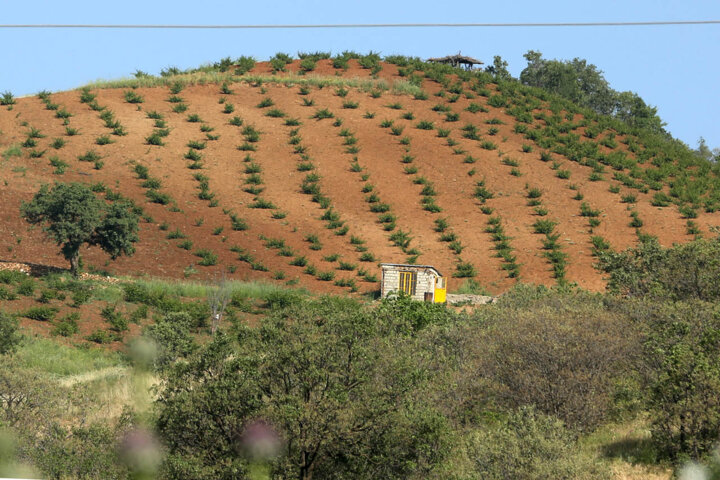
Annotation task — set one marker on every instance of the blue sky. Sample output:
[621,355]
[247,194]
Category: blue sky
[672,67]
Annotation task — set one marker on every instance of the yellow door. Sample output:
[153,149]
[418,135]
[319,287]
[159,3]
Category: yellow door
[407,282]
[440,290]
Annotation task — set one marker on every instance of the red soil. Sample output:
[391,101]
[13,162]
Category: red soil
[380,157]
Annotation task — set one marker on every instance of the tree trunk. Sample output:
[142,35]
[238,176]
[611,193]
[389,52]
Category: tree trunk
[75,264]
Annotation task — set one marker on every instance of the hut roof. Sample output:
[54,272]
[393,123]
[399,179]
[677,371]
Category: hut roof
[456,59]
[407,265]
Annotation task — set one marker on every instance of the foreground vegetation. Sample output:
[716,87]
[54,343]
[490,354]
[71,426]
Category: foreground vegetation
[331,387]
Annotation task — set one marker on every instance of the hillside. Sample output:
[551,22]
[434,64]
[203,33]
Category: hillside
[316,178]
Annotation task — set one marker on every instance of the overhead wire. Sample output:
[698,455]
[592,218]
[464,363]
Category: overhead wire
[363,25]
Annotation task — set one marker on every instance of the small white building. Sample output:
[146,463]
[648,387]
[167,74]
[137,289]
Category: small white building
[421,282]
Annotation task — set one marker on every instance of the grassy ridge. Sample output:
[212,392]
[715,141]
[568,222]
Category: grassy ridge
[397,87]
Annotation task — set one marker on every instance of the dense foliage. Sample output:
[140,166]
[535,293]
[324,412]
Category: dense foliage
[683,272]
[582,83]
[342,388]
[9,337]
[398,389]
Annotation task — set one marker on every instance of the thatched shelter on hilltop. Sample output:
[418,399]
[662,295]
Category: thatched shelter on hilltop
[458,60]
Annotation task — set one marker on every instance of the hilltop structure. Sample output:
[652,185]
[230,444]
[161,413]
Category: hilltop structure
[468,63]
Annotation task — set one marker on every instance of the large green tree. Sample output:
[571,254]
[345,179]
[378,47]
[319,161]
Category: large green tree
[682,351]
[72,215]
[341,387]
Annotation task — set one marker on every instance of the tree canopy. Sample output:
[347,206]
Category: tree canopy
[343,388]
[72,215]
[581,82]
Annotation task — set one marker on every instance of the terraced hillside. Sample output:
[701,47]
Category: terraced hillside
[315,174]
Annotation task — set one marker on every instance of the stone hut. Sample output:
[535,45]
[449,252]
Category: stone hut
[421,282]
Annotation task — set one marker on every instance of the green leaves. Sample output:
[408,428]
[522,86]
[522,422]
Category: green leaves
[71,215]
[340,383]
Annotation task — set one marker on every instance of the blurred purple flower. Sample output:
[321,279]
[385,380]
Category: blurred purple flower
[259,441]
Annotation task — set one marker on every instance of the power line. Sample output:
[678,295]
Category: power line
[362,25]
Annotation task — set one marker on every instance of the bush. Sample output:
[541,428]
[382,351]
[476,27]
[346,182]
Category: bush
[117,321]
[67,326]
[682,272]
[544,226]
[42,314]
[208,258]
[244,64]
[308,64]
[171,335]
[561,353]
[464,270]
[7,294]
[88,451]
[9,338]
[681,349]
[81,296]
[323,114]
[133,97]
[101,337]
[7,98]
[527,445]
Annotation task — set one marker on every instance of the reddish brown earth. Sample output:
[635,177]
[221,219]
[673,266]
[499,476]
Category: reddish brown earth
[379,156]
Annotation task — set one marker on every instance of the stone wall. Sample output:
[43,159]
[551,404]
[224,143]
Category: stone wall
[425,281]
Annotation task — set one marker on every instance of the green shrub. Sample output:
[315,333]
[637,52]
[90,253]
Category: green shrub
[636,221]
[7,98]
[158,197]
[43,314]
[244,64]
[527,444]
[9,337]
[208,258]
[118,322]
[556,349]
[89,156]
[155,139]
[425,125]
[275,113]
[682,272]
[101,337]
[26,286]
[687,211]
[81,296]
[587,211]
[171,335]
[544,226]
[464,270]
[67,326]
[133,97]
[681,350]
[7,294]
[323,114]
